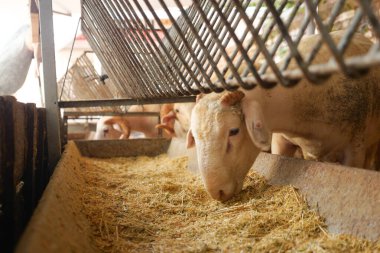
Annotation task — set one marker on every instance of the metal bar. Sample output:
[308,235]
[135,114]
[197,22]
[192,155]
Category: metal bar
[319,70]
[116,42]
[111,50]
[50,83]
[310,29]
[366,5]
[189,58]
[260,44]
[116,102]
[267,33]
[100,45]
[170,58]
[246,32]
[188,47]
[345,41]
[328,40]
[334,13]
[204,49]
[105,63]
[292,47]
[279,39]
[137,50]
[102,113]
[223,33]
[155,62]
[191,40]
[251,40]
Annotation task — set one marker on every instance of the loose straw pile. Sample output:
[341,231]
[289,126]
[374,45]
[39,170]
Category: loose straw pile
[155,205]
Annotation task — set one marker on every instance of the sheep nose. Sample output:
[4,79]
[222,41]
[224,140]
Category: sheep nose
[223,196]
[223,193]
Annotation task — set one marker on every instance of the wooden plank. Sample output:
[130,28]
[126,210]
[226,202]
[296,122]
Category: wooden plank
[6,179]
[30,159]
[19,221]
[2,180]
[18,150]
[348,198]
[7,157]
[41,173]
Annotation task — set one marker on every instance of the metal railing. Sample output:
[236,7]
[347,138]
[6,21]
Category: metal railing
[82,82]
[175,48]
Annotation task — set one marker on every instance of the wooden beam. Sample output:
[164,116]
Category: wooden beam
[35,25]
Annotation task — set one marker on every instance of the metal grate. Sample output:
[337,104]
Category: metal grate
[180,48]
[82,82]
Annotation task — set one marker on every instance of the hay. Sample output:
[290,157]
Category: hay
[155,205]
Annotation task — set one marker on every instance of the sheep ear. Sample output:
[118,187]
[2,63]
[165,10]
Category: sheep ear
[258,131]
[109,121]
[199,97]
[190,139]
[231,98]
[169,130]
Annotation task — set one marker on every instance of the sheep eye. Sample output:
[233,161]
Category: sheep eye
[176,110]
[233,131]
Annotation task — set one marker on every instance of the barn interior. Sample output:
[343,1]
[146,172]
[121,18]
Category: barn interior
[93,160]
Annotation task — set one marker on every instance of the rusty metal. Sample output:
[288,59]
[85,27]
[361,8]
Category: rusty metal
[204,51]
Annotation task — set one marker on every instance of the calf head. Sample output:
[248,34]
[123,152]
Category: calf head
[224,150]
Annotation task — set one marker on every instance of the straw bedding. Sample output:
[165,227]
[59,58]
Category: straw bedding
[154,204]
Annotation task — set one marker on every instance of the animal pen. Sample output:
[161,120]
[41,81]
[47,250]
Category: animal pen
[202,47]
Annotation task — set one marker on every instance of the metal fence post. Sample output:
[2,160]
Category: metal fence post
[50,83]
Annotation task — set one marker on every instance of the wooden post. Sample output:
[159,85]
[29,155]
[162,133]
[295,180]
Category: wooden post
[41,159]
[30,159]
[12,163]
[6,178]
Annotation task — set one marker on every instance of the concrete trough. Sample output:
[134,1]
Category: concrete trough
[348,198]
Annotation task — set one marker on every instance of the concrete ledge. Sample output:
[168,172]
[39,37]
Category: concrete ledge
[348,198]
[122,148]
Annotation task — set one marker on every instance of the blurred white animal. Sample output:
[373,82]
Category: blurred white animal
[121,127]
[176,123]
[15,60]
[107,128]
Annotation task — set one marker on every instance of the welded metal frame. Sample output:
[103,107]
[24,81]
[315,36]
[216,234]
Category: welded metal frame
[124,102]
[185,61]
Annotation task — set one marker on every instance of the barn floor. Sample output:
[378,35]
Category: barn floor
[155,205]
